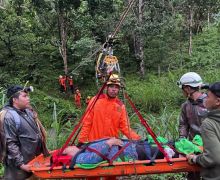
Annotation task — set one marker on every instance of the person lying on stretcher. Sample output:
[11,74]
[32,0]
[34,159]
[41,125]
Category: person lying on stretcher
[107,149]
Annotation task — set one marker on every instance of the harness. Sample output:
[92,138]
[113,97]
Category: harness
[86,147]
[141,147]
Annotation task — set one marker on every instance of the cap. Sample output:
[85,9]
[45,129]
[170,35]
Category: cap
[12,90]
[214,88]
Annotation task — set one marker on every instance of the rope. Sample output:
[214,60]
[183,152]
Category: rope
[146,125]
[88,110]
[122,18]
[129,128]
[116,29]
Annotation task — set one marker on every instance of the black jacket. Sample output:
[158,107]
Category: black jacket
[23,143]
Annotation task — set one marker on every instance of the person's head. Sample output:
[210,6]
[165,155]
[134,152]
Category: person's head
[18,96]
[113,86]
[213,98]
[190,83]
[60,76]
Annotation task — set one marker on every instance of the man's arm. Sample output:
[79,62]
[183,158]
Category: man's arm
[210,157]
[125,127]
[12,141]
[183,122]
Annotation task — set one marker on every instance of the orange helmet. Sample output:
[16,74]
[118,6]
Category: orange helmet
[114,79]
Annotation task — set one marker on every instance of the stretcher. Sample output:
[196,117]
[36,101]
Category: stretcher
[40,166]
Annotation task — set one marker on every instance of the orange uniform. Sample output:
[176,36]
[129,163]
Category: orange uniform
[77,97]
[106,119]
[70,82]
[62,82]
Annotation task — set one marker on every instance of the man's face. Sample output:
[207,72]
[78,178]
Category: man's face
[212,101]
[113,90]
[185,91]
[22,102]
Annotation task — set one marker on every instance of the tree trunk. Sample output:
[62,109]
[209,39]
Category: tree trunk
[63,38]
[208,18]
[139,45]
[190,29]
[158,70]
[2,4]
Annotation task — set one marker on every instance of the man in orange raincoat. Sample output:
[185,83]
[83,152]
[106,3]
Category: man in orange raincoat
[108,116]
[70,82]
[62,82]
[77,98]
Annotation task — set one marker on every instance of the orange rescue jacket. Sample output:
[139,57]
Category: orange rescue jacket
[70,81]
[107,118]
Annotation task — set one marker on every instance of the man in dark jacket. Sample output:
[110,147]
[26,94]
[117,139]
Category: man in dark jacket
[24,135]
[210,131]
[192,110]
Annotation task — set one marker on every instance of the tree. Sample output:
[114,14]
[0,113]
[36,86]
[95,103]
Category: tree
[138,38]
[62,10]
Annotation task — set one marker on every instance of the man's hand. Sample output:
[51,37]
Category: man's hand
[191,158]
[25,167]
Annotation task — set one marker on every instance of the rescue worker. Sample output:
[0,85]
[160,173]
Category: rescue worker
[77,98]
[193,110]
[210,131]
[22,134]
[108,116]
[62,82]
[88,100]
[70,83]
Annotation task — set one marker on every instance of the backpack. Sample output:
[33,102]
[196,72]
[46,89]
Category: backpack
[2,135]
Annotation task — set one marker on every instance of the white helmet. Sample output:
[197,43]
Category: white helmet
[190,79]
